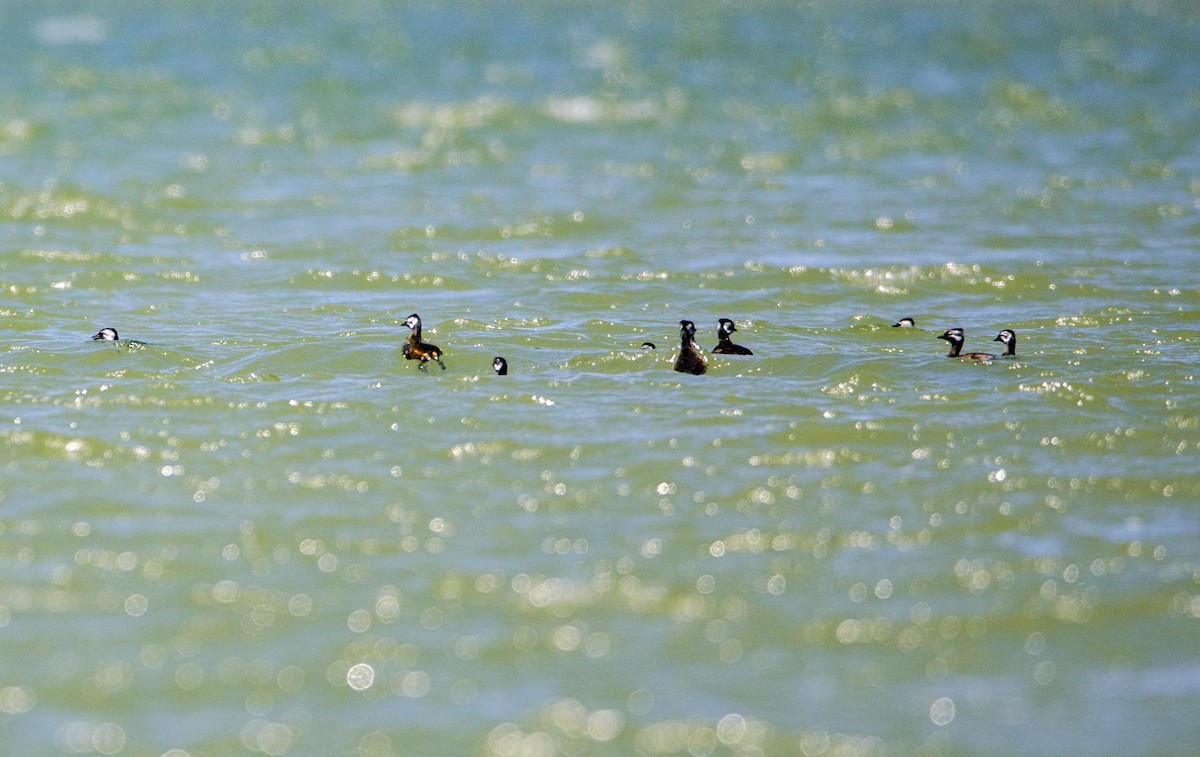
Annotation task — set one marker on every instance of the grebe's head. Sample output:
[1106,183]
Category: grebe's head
[953,336]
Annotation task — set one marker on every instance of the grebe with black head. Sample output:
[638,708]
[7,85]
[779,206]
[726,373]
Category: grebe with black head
[1008,338]
[904,323]
[691,359]
[725,345]
[108,334]
[955,337]
[500,366]
[417,349]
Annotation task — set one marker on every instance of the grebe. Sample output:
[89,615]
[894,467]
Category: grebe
[691,359]
[725,345]
[416,349]
[955,338]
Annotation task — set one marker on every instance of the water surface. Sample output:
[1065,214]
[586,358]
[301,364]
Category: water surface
[264,531]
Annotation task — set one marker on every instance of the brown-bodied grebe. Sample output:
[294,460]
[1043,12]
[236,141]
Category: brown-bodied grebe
[1008,338]
[107,334]
[725,345]
[691,359]
[955,337]
[416,349]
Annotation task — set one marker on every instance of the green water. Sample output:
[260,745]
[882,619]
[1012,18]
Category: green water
[264,531]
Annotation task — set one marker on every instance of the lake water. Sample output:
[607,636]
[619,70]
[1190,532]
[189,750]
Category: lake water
[264,531]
